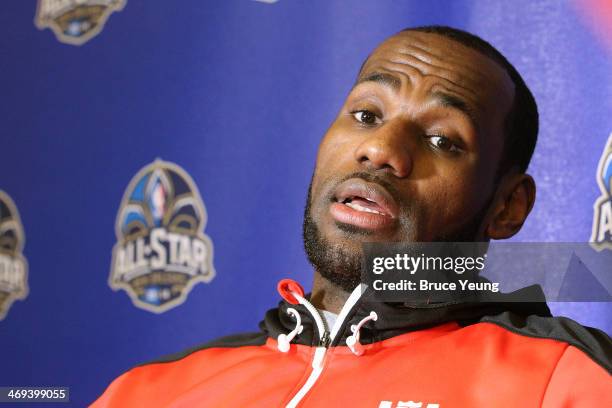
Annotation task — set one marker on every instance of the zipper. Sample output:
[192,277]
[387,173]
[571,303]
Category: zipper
[325,339]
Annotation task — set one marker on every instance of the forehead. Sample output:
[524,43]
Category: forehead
[417,58]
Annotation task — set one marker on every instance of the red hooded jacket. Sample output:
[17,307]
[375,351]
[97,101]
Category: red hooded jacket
[439,355]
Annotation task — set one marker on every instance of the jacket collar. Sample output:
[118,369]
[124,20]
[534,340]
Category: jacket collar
[398,318]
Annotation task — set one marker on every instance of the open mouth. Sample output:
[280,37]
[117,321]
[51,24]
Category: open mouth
[364,205]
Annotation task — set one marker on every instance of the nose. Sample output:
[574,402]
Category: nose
[387,148]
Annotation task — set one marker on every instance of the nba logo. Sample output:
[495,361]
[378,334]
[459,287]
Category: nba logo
[161,250]
[601,236]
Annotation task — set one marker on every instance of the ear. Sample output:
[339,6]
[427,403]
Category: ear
[513,202]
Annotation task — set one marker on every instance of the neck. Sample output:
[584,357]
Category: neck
[327,295]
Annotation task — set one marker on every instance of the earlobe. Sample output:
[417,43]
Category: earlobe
[515,200]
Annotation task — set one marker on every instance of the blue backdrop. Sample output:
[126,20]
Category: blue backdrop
[237,93]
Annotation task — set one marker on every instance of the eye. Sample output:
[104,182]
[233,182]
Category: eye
[366,117]
[443,143]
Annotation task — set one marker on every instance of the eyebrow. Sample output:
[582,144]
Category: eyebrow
[454,102]
[382,78]
[442,98]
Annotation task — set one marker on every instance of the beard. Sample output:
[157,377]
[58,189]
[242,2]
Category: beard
[342,265]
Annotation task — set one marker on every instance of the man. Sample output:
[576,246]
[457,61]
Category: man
[431,144]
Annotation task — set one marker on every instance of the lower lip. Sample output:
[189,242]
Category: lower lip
[371,221]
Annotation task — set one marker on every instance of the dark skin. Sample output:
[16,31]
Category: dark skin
[426,117]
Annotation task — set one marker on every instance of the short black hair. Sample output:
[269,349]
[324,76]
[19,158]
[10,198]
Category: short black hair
[522,123]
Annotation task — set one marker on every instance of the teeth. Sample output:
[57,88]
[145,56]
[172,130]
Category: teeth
[360,208]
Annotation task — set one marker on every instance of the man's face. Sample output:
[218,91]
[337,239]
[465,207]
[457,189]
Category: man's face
[413,153]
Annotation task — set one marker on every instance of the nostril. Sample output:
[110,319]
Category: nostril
[372,166]
[363,159]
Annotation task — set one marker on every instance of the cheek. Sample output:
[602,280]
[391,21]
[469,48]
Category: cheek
[334,157]
[452,196]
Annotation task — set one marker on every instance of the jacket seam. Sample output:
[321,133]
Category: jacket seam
[577,345]
[552,374]
[175,357]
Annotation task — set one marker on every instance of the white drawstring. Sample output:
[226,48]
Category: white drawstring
[285,339]
[321,325]
[353,341]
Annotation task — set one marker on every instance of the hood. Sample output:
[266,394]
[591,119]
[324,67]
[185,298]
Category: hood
[393,319]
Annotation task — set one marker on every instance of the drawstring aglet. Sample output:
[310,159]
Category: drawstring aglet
[353,341]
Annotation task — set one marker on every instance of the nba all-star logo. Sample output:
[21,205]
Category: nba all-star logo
[161,250]
[13,266]
[75,21]
[601,236]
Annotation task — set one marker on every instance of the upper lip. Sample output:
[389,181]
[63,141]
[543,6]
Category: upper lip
[356,187]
